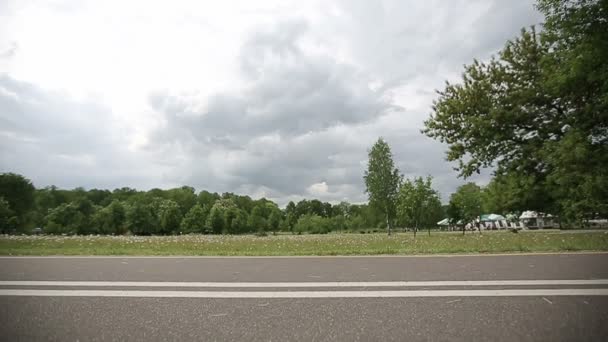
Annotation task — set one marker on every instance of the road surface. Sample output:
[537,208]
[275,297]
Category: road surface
[551,297]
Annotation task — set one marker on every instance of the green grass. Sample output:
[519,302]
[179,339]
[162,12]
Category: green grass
[331,244]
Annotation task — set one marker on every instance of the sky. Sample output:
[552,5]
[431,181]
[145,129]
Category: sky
[275,99]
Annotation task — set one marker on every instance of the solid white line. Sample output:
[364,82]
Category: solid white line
[307,284]
[306,294]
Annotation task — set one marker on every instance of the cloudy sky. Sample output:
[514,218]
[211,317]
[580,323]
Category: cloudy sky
[280,99]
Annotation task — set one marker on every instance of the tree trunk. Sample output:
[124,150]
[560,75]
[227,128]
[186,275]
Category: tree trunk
[415,229]
[388,224]
[463,228]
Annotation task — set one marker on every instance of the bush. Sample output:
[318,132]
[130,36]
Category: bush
[313,224]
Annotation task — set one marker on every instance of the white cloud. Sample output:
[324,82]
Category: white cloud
[272,98]
[318,189]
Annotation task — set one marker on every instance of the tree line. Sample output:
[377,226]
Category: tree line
[164,212]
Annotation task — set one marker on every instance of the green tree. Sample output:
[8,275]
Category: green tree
[302,208]
[194,220]
[465,204]
[355,222]
[99,197]
[140,220]
[290,215]
[66,219]
[185,197]
[382,180]
[169,217]
[5,215]
[230,215]
[239,224]
[419,204]
[274,220]
[313,224]
[19,192]
[535,109]
[111,219]
[215,220]
[257,221]
[207,199]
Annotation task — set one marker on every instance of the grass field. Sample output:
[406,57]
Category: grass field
[331,244]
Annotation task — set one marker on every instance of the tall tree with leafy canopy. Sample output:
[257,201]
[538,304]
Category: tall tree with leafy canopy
[257,221]
[465,204]
[382,180]
[538,112]
[194,220]
[169,216]
[419,204]
[111,219]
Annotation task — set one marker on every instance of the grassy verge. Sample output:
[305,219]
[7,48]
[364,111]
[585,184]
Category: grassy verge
[332,244]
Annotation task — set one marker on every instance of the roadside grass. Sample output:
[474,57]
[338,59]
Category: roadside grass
[330,244]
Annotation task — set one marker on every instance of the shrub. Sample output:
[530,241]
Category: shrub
[313,224]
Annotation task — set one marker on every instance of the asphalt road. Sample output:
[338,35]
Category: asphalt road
[459,298]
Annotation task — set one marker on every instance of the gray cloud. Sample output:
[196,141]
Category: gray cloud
[289,92]
[313,96]
[55,140]
[303,125]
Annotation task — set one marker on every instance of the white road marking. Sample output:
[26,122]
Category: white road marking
[305,294]
[562,282]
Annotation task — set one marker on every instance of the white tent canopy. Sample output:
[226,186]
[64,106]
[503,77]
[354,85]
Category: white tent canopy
[444,222]
[492,217]
[533,214]
[496,217]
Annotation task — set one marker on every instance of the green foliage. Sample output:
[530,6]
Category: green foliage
[18,191]
[382,180]
[256,220]
[207,199]
[153,212]
[274,220]
[290,215]
[465,204]
[185,198]
[140,220]
[581,191]
[338,223]
[99,197]
[355,222]
[194,220]
[110,220]
[535,111]
[169,217]
[418,204]
[5,215]
[66,219]
[216,220]
[313,224]
[239,223]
